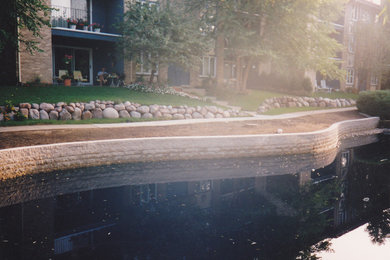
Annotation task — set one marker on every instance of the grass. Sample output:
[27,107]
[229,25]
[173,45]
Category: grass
[335,95]
[54,94]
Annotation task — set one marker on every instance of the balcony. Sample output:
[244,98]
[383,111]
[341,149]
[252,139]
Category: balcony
[61,14]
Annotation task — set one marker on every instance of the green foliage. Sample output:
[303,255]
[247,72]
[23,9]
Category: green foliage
[31,15]
[289,34]
[163,34]
[375,103]
[306,85]
[10,112]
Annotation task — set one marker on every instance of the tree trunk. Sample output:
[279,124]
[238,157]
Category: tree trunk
[219,54]
[245,75]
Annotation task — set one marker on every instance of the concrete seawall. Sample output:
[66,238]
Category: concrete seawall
[45,158]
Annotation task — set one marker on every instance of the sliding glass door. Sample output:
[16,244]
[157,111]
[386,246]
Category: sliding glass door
[76,62]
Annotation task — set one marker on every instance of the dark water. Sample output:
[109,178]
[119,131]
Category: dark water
[98,213]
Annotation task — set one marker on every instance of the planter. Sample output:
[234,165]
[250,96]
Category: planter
[72,26]
[96,30]
[67,82]
[85,28]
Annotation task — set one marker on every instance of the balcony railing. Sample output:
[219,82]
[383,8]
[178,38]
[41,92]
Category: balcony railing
[61,14]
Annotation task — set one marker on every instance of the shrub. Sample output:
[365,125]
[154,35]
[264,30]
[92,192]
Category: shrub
[306,85]
[375,103]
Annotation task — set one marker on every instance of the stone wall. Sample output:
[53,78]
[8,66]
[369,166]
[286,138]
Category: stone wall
[45,158]
[38,64]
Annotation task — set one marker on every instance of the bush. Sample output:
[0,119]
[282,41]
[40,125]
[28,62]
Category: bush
[306,85]
[375,103]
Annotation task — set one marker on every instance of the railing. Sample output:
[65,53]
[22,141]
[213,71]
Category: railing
[61,14]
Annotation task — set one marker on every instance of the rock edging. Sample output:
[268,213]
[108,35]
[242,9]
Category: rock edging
[109,109]
[45,158]
[287,101]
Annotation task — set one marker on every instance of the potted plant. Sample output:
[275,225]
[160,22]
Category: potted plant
[82,24]
[67,78]
[67,59]
[72,23]
[96,27]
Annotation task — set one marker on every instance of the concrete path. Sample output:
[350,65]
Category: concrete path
[171,122]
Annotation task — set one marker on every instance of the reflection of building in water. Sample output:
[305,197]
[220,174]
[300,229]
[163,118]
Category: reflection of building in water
[137,216]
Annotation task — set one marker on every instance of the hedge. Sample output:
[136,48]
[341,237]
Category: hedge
[375,103]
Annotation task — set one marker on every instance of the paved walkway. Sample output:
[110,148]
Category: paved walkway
[171,122]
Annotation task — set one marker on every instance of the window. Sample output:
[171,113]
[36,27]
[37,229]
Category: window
[230,71]
[374,79]
[351,44]
[144,66]
[355,12]
[350,60]
[350,76]
[208,67]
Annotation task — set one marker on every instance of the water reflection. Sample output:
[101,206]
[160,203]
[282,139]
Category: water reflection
[290,216]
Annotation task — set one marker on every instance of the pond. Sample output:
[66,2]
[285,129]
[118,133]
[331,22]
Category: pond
[210,209]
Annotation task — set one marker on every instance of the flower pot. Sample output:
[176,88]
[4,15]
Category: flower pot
[67,82]
[72,26]
[85,28]
[96,30]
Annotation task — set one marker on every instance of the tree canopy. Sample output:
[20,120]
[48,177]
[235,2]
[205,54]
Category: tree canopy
[288,33]
[157,35]
[16,15]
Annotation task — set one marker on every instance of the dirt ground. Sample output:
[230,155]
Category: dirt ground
[294,125]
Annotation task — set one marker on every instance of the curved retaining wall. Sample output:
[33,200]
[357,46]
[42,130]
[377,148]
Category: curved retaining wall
[45,158]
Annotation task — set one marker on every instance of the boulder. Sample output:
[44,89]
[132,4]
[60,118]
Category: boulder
[147,115]
[167,116]
[65,115]
[130,108]
[47,107]
[25,105]
[119,107]
[226,114]
[197,115]
[76,115]
[135,114]
[212,109]
[87,115]
[60,104]
[35,106]
[97,113]
[24,112]
[43,115]
[143,109]
[127,103]
[209,115]
[58,109]
[178,116]
[187,116]
[1,117]
[218,115]
[34,113]
[124,114]
[110,113]
[153,108]
[70,109]
[53,115]
[157,114]
[89,106]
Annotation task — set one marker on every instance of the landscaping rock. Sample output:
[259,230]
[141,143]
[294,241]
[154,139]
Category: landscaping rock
[226,114]
[147,115]
[35,106]
[43,115]
[60,104]
[97,113]
[1,117]
[25,105]
[89,106]
[76,114]
[24,112]
[58,109]
[34,113]
[167,116]
[110,113]
[65,115]
[135,114]
[47,107]
[127,103]
[130,108]
[187,116]
[70,109]
[53,115]
[143,109]
[209,115]
[87,115]
[178,116]
[119,107]
[197,115]
[157,114]
[124,114]
[153,108]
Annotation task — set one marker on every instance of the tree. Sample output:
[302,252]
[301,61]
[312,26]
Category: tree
[157,35]
[16,15]
[289,34]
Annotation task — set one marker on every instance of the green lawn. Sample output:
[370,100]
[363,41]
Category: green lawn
[53,94]
[254,98]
